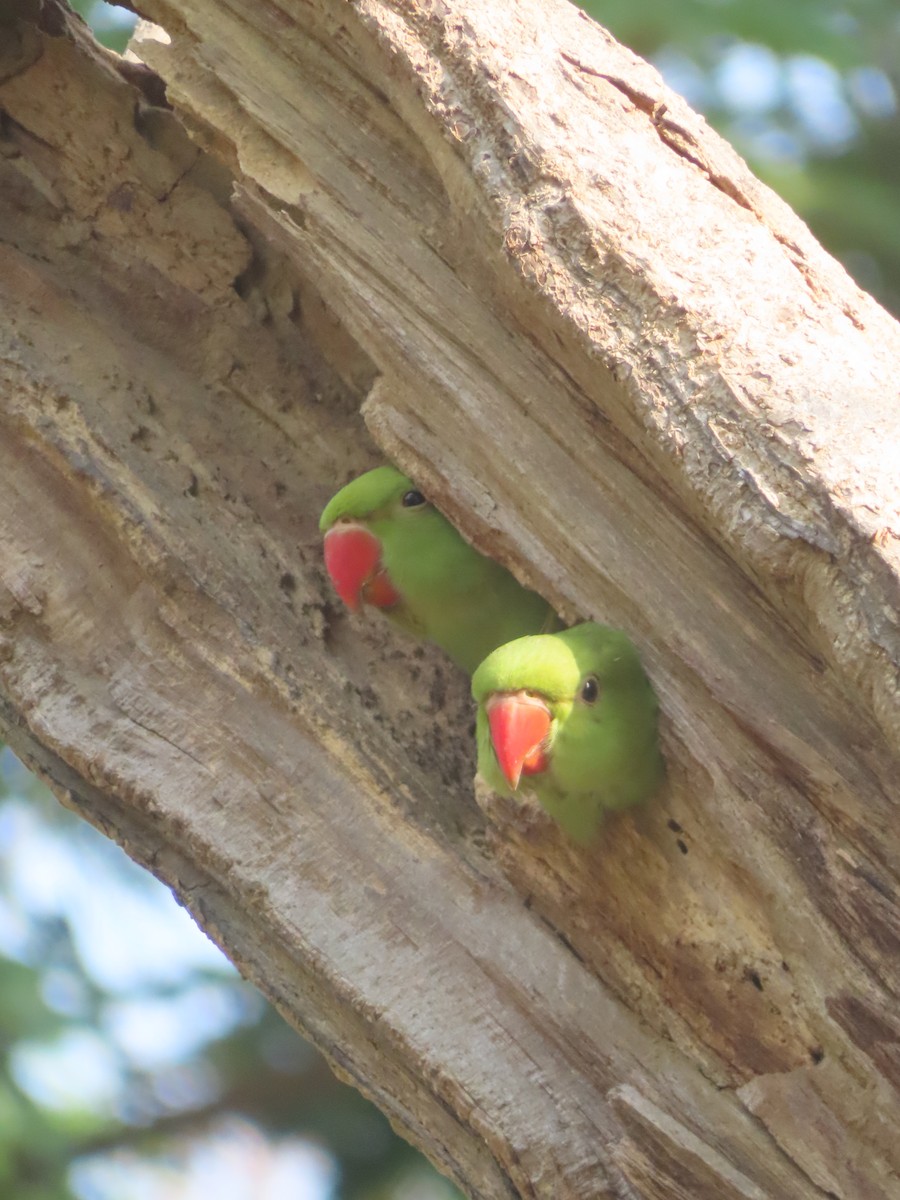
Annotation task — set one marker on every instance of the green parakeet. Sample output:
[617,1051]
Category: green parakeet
[572,717]
[385,545]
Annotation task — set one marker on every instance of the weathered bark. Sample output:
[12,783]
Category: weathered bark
[624,368]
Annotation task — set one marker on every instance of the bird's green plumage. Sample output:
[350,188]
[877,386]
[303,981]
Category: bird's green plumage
[451,594]
[602,756]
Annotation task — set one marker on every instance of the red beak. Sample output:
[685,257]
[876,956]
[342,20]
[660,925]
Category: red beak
[353,561]
[519,725]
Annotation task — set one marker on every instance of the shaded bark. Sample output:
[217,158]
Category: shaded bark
[622,367]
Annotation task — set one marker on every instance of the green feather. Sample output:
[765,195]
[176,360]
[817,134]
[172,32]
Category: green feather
[451,594]
[602,756]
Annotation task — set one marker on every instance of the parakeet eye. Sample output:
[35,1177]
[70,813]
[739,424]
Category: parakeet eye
[590,690]
[413,499]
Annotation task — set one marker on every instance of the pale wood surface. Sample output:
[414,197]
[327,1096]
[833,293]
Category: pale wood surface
[621,365]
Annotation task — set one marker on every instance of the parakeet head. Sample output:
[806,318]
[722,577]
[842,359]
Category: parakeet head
[380,505]
[387,546]
[573,717]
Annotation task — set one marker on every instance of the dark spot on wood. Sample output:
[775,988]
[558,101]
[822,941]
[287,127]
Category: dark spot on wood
[437,693]
[674,826]
[121,198]
[147,81]
[51,19]
[522,167]
[784,966]
[193,487]
[280,488]
[296,214]
[287,582]
[752,976]
[816,1053]
[141,436]
[562,937]
[681,846]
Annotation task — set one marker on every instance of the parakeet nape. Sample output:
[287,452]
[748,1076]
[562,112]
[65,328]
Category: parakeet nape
[571,717]
[387,546]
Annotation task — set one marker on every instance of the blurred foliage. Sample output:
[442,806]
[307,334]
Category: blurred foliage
[846,32]
[111,24]
[807,93]
[120,1044]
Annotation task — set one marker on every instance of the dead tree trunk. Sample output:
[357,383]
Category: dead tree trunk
[621,366]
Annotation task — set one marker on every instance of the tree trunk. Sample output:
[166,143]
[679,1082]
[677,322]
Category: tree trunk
[621,366]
